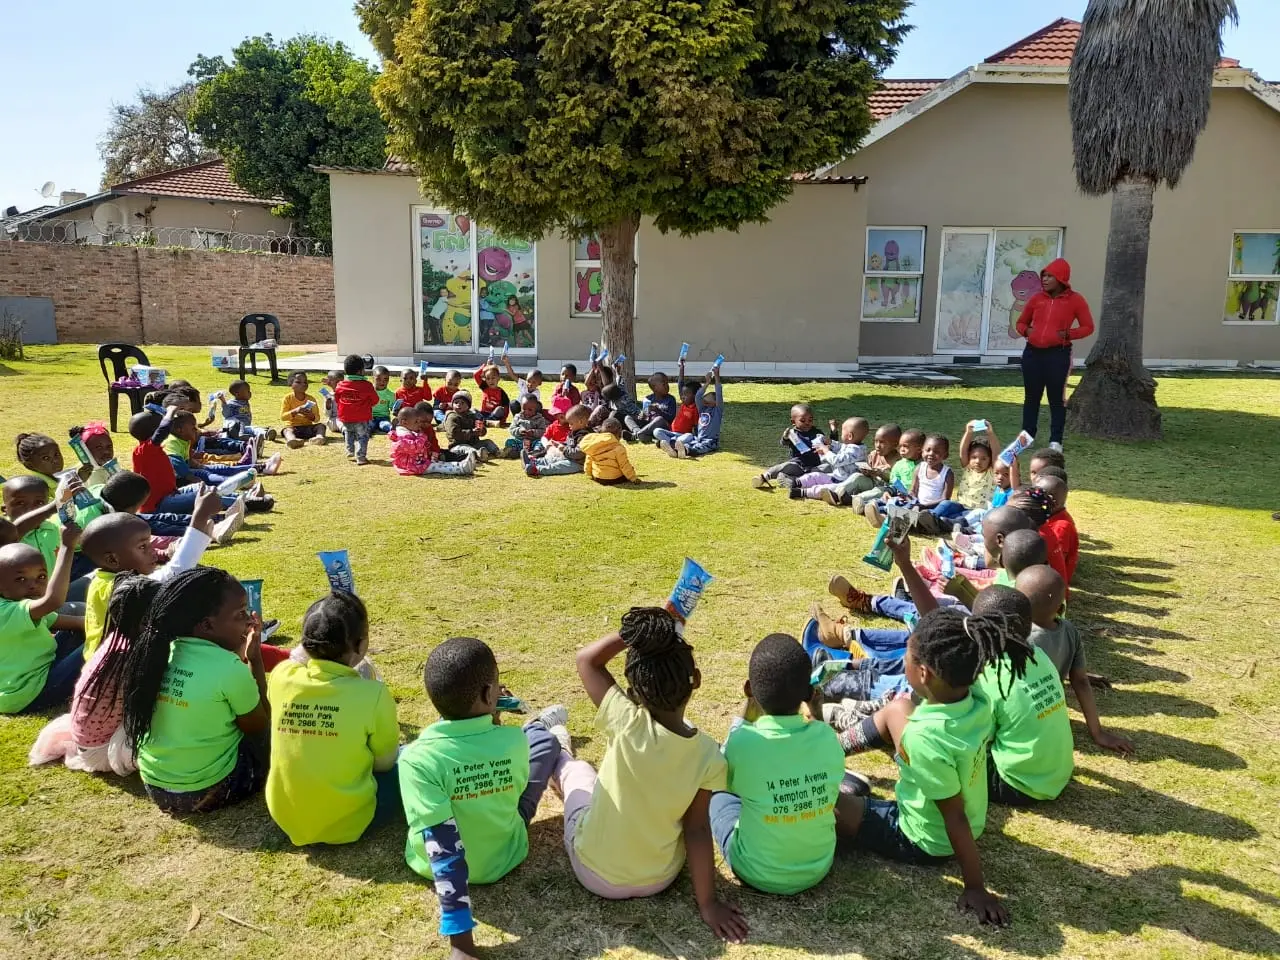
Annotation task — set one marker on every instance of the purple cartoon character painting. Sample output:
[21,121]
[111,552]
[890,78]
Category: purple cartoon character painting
[1025,285]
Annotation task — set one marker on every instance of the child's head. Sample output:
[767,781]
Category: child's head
[452,379]
[126,491]
[535,379]
[607,376]
[577,417]
[948,650]
[39,453]
[97,441]
[131,598]
[854,430]
[911,444]
[333,378]
[592,381]
[778,675]
[408,378]
[336,628]
[569,372]
[353,365]
[887,438]
[530,407]
[461,401]
[410,419]
[490,374]
[612,393]
[179,401]
[183,426]
[23,494]
[143,425]
[612,425]
[1022,549]
[1052,471]
[381,377]
[240,390]
[1033,502]
[513,301]
[996,526]
[1004,475]
[1046,591]
[660,668]
[802,416]
[659,384]
[118,542]
[461,677]
[979,456]
[936,449]
[1047,457]
[1055,489]
[299,382]
[688,393]
[23,575]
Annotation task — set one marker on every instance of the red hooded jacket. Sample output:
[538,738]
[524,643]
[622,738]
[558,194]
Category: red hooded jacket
[1050,321]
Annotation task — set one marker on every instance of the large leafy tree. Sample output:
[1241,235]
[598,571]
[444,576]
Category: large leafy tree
[581,117]
[278,108]
[151,135]
[1141,83]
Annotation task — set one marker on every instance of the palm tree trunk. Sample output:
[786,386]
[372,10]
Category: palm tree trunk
[1116,398]
[618,266]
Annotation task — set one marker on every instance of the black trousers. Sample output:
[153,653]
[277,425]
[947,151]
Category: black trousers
[1045,369]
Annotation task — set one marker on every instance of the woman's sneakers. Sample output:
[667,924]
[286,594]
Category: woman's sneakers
[850,597]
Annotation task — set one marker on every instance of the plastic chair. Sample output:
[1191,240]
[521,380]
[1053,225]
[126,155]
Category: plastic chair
[261,323]
[121,357]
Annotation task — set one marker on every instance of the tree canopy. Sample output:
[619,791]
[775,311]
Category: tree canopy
[151,135]
[277,108]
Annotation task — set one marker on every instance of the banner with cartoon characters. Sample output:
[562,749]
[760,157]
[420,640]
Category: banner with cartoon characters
[892,274]
[1254,284]
[475,288]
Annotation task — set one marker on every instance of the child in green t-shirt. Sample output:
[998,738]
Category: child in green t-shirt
[386,398]
[940,805]
[469,785]
[901,475]
[776,824]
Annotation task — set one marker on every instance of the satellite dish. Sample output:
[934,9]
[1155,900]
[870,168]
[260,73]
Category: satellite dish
[48,189]
[107,218]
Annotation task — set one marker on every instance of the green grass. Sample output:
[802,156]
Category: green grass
[1173,854]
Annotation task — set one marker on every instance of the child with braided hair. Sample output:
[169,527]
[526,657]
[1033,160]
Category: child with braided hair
[629,829]
[940,805]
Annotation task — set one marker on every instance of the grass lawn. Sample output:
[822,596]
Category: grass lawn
[1172,854]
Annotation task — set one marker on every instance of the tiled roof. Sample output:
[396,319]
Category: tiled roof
[1055,46]
[18,219]
[893,95]
[396,165]
[857,181]
[201,181]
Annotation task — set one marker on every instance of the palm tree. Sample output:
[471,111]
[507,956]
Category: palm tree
[1141,83]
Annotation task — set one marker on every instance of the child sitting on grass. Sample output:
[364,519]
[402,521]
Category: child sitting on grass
[381,413]
[331,786]
[657,412]
[126,491]
[38,670]
[629,830]
[526,386]
[442,399]
[356,399]
[868,481]
[566,388]
[331,381]
[706,436]
[464,430]
[411,392]
[801,440]
[561,457]
[470,785]
[606,460]
[1059,531]
[528,427]
[495,405]
[934,481]
[977,483]
[415,452]
[1063,643]
[237,413]
[301,414]
[1046,457]
[841,460]
[190,466]
[789,850]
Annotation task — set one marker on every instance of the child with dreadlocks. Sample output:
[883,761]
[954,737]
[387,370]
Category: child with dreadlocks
[940,805]
[195,695]
[627,829]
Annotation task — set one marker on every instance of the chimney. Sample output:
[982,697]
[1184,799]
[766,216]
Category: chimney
[70,196]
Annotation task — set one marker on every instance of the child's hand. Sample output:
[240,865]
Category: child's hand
[1109,741]
[833,428]
[901,551]
[253,640]
[986,905]
[207,506]
[67,489]
[70,535]
[725,920]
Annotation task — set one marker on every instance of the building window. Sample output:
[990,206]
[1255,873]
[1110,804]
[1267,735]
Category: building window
[892,274]
[1253,278]
[588,278]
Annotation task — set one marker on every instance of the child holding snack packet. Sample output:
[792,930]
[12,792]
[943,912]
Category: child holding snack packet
[657,412]
[381,422]
[561,457]
[841,460]
[977,482]
[415,452]
[706,436]
[801,440]
[528,427]
[301,414]
[464,430]
[869,480]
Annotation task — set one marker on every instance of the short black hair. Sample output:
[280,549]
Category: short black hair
[912,435]
[612,425]
[105,534]
[779,673]
[1050,457]
[999,600]
[181,417]
[980,445]
[173,398]
[25,483]
[571,369]
[1052,471]
[1022,549]
[235,385]
[126,491]
[890,430]
[334,626]
[612,393]
[456,673]
[353,365]
[143,425]
[658,377]
[939,438]
[302,373]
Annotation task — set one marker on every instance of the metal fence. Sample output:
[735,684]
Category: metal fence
[86,233]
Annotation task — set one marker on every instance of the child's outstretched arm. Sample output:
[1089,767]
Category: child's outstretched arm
[55,591]
[949,487]
[725,919]
[1015,475]
[965,441]
[1088,706]
[719,389]
[911,579]
[452,882]
[29,521]
[976,897]
[993,440]
[593,668]
[162,431]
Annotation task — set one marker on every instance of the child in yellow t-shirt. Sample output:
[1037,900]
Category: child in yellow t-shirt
[302,415]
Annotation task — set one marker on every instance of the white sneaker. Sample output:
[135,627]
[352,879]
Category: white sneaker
[1055,446]
[554,719]
[666,447]
[232,521]
[272,466]
[682,452]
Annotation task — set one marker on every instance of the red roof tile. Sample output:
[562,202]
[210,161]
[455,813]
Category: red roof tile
[202,181]
[893,95]
[1055,46]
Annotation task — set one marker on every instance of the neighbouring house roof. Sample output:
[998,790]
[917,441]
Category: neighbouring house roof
[18,219]
[201,181]
[893,95]
[1055,46]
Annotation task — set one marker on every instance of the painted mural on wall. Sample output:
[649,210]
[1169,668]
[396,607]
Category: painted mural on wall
[892,274]
[505,274]
[588,279]
[1251,295]
[1019,257]
[962,286]
[445,245]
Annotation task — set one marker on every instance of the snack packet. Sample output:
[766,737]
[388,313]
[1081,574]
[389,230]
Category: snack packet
[898,522]
[337,567]
[82,453]
[254,590]
[684,351]
[687,592]
[1020,443]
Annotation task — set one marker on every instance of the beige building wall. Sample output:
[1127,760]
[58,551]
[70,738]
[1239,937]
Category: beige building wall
[999,155]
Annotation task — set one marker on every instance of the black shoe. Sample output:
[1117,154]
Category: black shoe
[795,493]
[855,785]
[820,656]
[900,591]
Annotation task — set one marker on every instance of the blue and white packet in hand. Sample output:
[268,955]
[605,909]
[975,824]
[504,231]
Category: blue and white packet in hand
[337,567]
[719,361]
[422,368]
[1020,443]
[620,358]
[684,351]
[687,592]
[253,589]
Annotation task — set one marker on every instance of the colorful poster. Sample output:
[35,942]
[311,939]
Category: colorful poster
[1251,301]
[588,280]
[962,288]
[1255,255]
[505,274]
[445,258]
[892,250]
[1019,257]
[891,298]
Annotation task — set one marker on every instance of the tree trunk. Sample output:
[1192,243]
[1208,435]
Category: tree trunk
[1116,398]
[618,265]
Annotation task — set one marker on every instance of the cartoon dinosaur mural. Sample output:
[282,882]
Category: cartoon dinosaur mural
[493,308]
[456,322]
[493,264]
[1025,285]
[590,288]
[891,255]
[1255,296]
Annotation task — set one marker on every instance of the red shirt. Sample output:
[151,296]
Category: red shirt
[492,398]
[152,463]
[686,418]
[557,432]
[444,395]
[1045,319]
[1059,532]
[411,398]
[566,389]
[356,400]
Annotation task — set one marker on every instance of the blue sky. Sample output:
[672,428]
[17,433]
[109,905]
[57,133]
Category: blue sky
[67,61]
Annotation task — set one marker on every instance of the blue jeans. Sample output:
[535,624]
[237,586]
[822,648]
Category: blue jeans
[356,436]
[544,754]
[167,524]
[692,444]
[183,500]
[895,608]
[950,510]
[881,834]
[223,446]
[388,806]
[60,682]
[560,467]
[380,425]
[726,809]
[868,679]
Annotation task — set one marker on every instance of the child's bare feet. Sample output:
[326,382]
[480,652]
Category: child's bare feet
[830,632]
[850,597]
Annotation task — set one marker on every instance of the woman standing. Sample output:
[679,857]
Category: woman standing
[1051,319]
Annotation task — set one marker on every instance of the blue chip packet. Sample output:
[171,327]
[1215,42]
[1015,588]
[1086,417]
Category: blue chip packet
[687,592]
[337,567]
[254,590]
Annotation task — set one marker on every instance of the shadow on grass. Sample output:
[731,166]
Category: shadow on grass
[1153,746]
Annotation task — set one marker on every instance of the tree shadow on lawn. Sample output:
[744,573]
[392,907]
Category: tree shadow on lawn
[1189,466]
[1105,803]
[1153,746]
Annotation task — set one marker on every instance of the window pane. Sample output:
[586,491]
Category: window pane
[891,298]
[588,285]
[1255,254]
[962,285]
[895,251]
[505,273]
[1019,258]
[444,247]
[587,248]
[1251,300]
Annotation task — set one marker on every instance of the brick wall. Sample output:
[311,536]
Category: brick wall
[169,295]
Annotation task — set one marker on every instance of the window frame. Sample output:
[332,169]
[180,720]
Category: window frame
[916,274]
[1233,278]
[575,264]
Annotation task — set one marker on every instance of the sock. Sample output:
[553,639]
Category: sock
[861,737]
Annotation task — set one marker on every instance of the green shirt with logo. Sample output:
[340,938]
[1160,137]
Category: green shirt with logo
[1033,748]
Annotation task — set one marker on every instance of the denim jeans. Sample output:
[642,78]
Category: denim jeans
[167,524]
[60,682]
[544,754]
[559,467]
[183,500]
[726,810]
[868,679]
[895,608]
[950,510]
[692,444]
[388,806]
[356,436]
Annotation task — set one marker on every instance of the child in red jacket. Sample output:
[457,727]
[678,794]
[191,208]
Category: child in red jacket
[1060,528]
[356,399]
